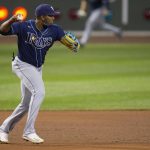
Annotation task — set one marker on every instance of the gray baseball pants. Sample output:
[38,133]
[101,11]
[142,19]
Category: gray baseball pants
[32,91]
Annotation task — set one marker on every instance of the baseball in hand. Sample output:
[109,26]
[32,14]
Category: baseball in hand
[19,17]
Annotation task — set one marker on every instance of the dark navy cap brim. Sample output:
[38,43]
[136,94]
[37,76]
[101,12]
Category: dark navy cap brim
[55,13]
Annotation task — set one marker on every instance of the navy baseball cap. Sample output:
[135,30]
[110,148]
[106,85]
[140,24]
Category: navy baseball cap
[45,10]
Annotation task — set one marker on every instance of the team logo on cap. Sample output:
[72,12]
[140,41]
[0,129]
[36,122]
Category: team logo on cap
[52,8]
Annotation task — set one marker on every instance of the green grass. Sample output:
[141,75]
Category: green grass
[98,77]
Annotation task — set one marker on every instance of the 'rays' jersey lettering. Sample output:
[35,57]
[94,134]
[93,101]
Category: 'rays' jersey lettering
[34,44]
[38,42]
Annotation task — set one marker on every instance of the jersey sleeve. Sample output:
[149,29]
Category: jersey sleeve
[14,30]
[60,33]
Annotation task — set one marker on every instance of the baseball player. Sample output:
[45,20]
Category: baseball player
[98,9]
[35,37]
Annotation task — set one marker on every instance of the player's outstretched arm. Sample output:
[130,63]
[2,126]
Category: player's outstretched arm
[5,27]
[70,41]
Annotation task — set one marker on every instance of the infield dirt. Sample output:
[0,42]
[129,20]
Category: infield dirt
[85,130]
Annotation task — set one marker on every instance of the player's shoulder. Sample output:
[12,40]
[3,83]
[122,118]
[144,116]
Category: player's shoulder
[23,23]
[29,22]
[55,26]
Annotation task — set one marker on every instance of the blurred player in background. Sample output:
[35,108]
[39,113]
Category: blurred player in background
[35,37]
[99,10]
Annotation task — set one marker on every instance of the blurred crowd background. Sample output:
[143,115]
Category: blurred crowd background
[133,17]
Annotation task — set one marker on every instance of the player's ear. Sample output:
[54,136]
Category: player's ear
[42,18]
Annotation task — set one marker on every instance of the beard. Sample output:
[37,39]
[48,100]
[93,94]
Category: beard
[46,22]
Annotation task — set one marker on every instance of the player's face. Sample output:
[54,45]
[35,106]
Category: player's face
[47,20]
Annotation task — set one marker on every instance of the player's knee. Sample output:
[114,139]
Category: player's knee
[24,106]
[40,93]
